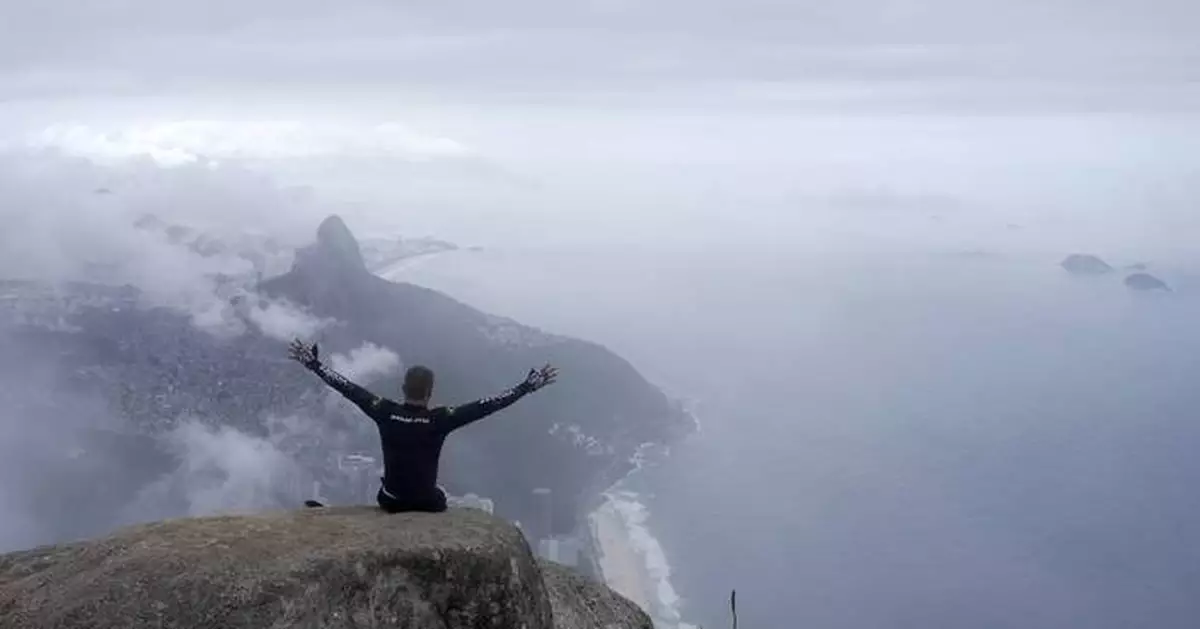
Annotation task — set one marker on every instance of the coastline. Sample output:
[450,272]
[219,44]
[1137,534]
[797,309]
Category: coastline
[622,549]
[616,560]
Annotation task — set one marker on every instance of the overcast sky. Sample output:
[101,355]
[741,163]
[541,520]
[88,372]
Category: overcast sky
[664,109]
[742,126]
[1075,53]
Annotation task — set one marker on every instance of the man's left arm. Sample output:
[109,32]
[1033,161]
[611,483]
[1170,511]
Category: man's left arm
[458,416]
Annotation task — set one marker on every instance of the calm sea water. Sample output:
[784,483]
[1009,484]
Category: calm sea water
[897,441]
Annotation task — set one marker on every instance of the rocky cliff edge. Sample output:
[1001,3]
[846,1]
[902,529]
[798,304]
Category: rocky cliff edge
[329,568]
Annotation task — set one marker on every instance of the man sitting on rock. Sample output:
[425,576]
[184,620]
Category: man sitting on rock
[412,432]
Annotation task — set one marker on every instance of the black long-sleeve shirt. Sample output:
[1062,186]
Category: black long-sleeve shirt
[412,435]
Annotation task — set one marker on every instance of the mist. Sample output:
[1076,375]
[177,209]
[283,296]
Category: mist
[70,220]
[899,438]
[367,361]
[834,231]
[221,471]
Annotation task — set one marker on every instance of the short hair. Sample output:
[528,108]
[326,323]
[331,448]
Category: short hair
[418,383]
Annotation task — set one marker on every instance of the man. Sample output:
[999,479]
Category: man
[412,432]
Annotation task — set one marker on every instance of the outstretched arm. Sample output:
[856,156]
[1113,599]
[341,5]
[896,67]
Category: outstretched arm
[308,355]
[459,416]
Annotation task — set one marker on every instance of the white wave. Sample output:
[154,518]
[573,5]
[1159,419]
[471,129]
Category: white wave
[690,406]
[662,600]
[631,559]
[622,568]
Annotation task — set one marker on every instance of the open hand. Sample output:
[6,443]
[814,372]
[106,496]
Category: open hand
[539,378]
[306,354]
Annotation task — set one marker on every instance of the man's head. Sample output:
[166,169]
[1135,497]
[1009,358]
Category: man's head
[418,385]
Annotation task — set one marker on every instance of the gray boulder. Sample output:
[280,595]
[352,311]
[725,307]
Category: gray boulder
[580,603]
[326,568]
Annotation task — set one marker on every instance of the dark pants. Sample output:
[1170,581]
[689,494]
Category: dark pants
[435,503]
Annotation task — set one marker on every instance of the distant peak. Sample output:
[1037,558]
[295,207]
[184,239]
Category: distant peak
[335,252]
[336,241]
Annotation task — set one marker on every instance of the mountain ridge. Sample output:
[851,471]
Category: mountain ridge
[150,369]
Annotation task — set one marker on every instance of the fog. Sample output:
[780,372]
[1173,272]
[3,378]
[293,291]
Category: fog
[898,439]
[67,220]
[835,230]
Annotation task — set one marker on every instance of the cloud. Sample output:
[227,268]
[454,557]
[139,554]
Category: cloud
[221,470]
[284,321]
[530,49]
[366,362]
[58,228]
[225,470]
[179,142]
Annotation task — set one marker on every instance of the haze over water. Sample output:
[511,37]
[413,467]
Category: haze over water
[835,229]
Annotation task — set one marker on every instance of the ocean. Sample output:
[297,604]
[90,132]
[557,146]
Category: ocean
[888,439]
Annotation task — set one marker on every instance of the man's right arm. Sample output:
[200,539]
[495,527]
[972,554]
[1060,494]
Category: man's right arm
[364,399]
[308,355]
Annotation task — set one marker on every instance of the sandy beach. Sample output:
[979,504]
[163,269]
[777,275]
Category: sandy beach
[622,566]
